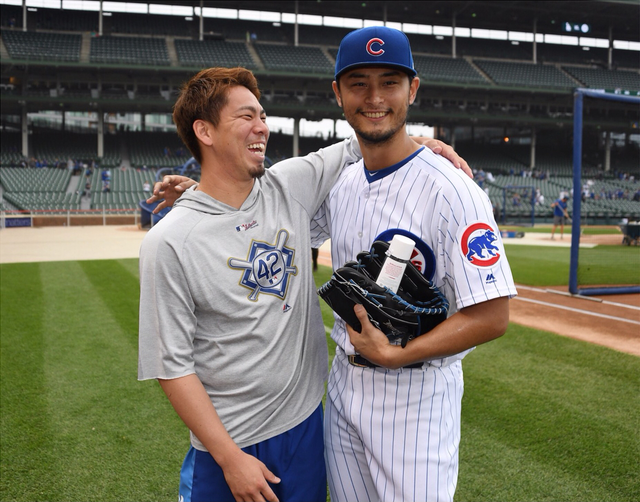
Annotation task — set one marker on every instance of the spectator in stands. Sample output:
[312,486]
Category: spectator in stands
[495,203]
[87,189]
[516,199]
[146,187]
[560,214]
[480,177]
[106,180]
[636,196]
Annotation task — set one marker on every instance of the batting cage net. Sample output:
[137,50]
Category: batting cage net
[611,268]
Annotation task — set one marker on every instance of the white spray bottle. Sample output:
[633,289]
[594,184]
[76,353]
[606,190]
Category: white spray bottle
[398,255]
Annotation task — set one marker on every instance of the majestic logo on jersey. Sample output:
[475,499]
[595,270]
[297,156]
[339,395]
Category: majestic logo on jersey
[477,245]
[378,43]
[267,267]
[422,257]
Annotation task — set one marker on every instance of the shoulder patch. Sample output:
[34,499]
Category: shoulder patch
[479,244]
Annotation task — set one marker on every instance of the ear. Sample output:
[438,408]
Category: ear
[336,91]
[204,131]
[413,89]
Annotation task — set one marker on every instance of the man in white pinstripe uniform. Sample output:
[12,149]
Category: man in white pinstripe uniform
[392,416]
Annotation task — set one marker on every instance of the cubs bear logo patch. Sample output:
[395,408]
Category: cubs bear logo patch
[267,268]
[479,244]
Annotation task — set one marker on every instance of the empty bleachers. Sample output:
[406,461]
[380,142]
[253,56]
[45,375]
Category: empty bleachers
[626,59]
[492,158]
[256,31]
[322,35]
[65,20]
[10,149]
[126,188]
[525,74]
[442,69]
[556,53]
[155,150]
[505,49]
[61,146]
[34,179]
[430,44]
[31,45]
[298,59]
[208,53]
[37,188]
[129,50]
[597,78]
[151,24]
[47,189]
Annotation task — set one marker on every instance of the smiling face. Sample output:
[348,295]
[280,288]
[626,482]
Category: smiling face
[375,101]
[239,140]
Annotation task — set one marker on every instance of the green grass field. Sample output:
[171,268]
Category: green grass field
[549,266]
[545,418]
[546,229]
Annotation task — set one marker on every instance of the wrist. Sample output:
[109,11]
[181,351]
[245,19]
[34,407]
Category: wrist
[226,455]
[392,357]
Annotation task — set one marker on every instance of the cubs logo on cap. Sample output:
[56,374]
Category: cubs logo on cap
[370,47]
[375,46]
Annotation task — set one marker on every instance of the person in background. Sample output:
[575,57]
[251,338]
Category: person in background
[560,215]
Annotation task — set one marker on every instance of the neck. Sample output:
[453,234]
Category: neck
[377,156]
[222,188]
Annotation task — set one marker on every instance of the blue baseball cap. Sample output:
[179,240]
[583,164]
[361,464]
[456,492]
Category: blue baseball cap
[375,46]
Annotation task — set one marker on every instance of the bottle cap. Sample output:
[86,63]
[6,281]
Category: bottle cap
[401,247]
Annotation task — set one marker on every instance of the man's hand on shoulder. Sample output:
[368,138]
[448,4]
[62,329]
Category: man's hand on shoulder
[441,148]
[169,190]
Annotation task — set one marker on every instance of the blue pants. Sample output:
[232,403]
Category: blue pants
[295,456]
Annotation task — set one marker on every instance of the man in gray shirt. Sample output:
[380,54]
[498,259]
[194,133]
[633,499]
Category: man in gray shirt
[230,324]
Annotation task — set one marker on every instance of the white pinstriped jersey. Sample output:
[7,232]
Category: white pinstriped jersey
[440,207]
[393,435]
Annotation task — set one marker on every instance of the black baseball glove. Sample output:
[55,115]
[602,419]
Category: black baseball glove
[416,308]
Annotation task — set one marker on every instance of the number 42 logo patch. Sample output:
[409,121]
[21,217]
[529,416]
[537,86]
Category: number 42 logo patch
[267,268]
